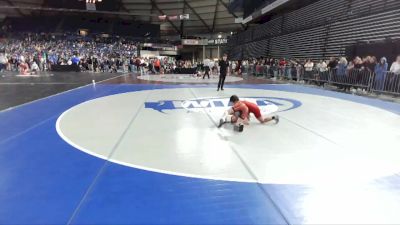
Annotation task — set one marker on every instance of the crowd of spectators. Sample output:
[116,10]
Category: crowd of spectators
[366,71]
[285,67]
[43,52]
[40,54]
[36,53]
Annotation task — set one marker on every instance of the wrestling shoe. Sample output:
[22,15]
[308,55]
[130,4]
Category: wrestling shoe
[276,118]
[221,123]
[238,127]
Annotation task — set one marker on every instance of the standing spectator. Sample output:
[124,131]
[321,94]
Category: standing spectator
[394,73]
[358,64]
[333,63]
[299,70]
[332,66]
[380,73]
[102,65]
[288,70]
[308,67]
[13,63]
[132,63]
[124,64]
[342,66]
[282,66]
[43,61]
[215,67]
[395,68]
[239,68]
[95,64]
[370,63]
[254,67]
[157,65]
[207,64]
[36,58]
[322,67]
[233,67]
[244,67]
[151,66]
[143,64]
[90,64]
[137,64]
[350,66]
[223,70]
[3,62]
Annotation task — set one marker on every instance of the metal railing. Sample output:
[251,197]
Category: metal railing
[352,78]
[385,82]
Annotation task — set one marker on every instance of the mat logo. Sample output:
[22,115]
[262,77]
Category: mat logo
[198,105]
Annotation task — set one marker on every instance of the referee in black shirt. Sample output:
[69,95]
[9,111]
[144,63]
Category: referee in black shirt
[223,69]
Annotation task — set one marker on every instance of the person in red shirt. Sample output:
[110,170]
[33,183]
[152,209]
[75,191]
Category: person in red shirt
[157,65]
[241,110]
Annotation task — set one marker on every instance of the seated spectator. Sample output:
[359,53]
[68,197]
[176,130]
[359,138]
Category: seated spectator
[75,60]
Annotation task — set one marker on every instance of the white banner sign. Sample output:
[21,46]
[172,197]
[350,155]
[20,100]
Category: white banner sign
[218,41]
[184,17]
[194,42]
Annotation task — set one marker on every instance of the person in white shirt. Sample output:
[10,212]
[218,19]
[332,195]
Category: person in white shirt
[233,66]
[34,67]
[142,66]
[395,68]
[308,67]
[207,65]
[322,66]
[3,62]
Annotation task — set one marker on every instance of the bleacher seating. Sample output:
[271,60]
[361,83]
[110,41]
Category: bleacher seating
[34,24]
[94,24]
[315,14]
[299,44]
[375,27]
[256,49]
[271,28]
[320,30]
